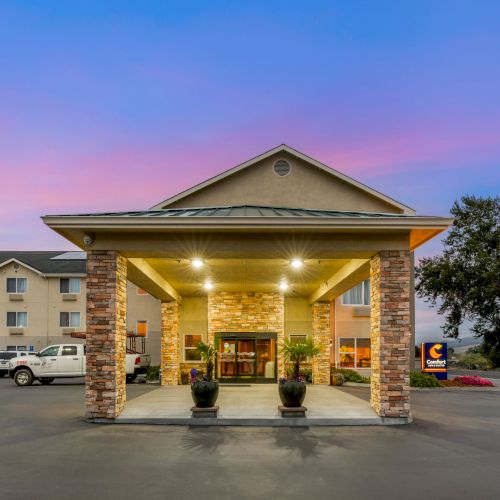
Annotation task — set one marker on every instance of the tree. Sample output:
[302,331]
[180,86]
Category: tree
[464,282]
[207,353]
[298,352]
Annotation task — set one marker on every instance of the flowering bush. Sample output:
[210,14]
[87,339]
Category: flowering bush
[473,380]
[193,373]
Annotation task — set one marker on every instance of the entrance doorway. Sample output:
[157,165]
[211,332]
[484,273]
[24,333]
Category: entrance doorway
[247,358]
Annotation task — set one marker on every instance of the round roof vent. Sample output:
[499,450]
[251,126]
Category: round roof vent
[282,168]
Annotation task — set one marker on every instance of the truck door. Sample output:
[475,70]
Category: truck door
[49,361]
[70,363]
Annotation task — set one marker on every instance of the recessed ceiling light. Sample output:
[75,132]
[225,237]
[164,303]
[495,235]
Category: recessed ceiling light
[284,286]
[208,285]
[297,263]
[197,263]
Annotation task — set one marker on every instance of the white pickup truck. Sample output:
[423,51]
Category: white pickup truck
[65,361]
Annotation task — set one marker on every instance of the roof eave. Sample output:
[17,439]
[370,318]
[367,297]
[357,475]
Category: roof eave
[172,223]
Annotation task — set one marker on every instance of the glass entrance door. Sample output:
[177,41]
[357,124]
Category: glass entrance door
[245,359]
[245,355]
[226,365]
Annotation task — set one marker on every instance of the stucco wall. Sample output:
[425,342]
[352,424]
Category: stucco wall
[43,302]
[298,317]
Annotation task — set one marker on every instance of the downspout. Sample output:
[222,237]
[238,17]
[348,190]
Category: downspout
[48,313]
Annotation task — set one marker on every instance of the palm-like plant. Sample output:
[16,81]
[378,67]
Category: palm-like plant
[298,352]
[207,353]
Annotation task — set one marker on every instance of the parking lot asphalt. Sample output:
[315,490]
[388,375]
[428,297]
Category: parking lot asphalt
[452,450]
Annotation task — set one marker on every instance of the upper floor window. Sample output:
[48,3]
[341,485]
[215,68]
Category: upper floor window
[142,328]
[358,296]
[69,285]
[69,319]
[17,285]
[17,319]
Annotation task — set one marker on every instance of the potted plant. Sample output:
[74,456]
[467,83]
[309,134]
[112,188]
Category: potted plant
[292,389]
[206,390]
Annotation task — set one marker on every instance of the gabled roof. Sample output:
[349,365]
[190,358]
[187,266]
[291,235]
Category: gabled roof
[287,149]
[46,263]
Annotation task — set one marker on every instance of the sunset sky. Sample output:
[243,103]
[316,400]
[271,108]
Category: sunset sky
[117,105]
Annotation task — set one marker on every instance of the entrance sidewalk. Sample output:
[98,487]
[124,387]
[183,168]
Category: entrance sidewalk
[254,405]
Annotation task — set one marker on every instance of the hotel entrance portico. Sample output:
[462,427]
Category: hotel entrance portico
[264,267]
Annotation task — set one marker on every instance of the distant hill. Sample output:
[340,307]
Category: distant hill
[465,342]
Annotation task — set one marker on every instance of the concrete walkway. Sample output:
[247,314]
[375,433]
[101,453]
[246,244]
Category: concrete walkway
[254,405]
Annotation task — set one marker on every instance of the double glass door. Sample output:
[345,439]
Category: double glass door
[244,359]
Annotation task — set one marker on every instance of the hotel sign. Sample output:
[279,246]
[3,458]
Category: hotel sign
[434,359]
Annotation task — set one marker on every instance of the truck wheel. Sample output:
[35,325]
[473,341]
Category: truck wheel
[46,380]
[131,378]
[23,377]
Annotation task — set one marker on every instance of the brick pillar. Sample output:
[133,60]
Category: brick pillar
[390,333]
[169,362]
[106,333]
[321,338]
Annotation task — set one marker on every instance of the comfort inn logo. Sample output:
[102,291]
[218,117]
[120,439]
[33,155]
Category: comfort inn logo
[434,357]
[434,351]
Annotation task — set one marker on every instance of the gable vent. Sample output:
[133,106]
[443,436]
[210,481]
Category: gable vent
[282,168]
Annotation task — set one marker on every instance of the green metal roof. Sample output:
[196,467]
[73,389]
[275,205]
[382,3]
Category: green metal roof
[241,211]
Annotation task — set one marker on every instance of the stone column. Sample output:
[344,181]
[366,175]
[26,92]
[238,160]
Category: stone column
[390,333]
[170,331]
[321,338]
[240,312]
[106,333]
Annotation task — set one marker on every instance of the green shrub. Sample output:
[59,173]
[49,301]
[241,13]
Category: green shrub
[475,361]
[337,379]
[351,375]
[153,373]
[419,379]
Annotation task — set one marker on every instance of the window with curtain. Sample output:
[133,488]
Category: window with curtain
[298,339]
[355,353]
[69,319]
[17,319]
[358,296]
[17,285]
[190,347]
[69,285]
[142,328]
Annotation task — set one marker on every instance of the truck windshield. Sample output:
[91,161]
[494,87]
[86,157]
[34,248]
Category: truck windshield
[50,351]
